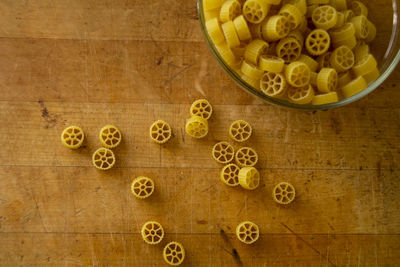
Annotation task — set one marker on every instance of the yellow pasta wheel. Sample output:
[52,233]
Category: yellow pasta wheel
[273,84]
[318,42]
[230,175]
[309,61]
[212,4]
[324,60]
[371,32]
[298,35]
[275,28]
[361,25]
[359,8]
[160,132]
[174,253]
[293,15]
[196,127]
[232,39]
[310,10]
[247,232]
[110,136]
[327,80]
[344,79]
[365,65]
[324,17]
[297,74]
[300,4]
[251,71]
[239,52]
[256,31]
[246,157]
[339,5]
[284,193]
[255,83]
[214,31]
[350,43]
[103,159]
[303,27]
[211,14]
[348,15]
[230,10]
[152,232]
[342,59]
[340,21]
[72,137]
[289,49]
[272,2]
[303,95]
[317,2]
[327,98]
[372,76]
[254,50]
[226,53]
[142,187]
[240,131]
[344,32]
[354,87]
[271,64]
[361,51]
[313,79]
[242,28]
[202,108]
[249,178]
[255,10]
[223,152]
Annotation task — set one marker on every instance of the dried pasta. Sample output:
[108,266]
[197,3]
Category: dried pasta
[318,2]
[297,74]
[342,59]
[196,127]
[365,65]
[152,232]
[160,132]
[174,253]
[202,108]
[230,175]
[284,193]
[289,49]
[242,28]
[223,152]
[298,35]
[103,159]
[327,80]
[361,51]
[309,61]
[324,60]
[273,84]
[231,37]
[361,25]
[212,4]
[372,76]
[339,5]
[142,187]
[255,10]
[255,83]
[251,70]
[72,137]
[344,78]
[371,32]
[340,20]
[318,42]
[249,178]
[247,232]
[348,15]
[324,17]
[271,64]
[327,98]
[246,157]
[313,79]
[254,50]
[230,9]
[214,31]
[226,53]
[303,95]
[344,32]
[300,4]
[275,28]
[240,131]
[359,8]
[110,136]
[354,87]
[293,15]
[211,14]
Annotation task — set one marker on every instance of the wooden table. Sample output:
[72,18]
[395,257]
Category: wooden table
[128,63]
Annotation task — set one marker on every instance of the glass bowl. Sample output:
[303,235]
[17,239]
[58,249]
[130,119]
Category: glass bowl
[385,48]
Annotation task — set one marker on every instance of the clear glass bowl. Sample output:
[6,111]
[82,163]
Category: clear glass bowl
[386,49]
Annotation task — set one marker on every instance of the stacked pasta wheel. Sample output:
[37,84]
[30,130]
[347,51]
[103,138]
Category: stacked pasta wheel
[197,125]
[304,51]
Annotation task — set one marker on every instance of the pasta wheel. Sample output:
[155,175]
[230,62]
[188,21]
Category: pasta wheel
[271,64]
[300,4]
[297,34]
[297,74]
[152,232]
[339,5]
[232,39]
[361,51]
[273,84]
[354,87]
[309,61]
[251,70]
[196,127]
[310,10]
[361,25]
[247,232]
[230,10]
[324,17]
[327,98]
[372,76]
[202,108]
[344,79]
[324,60]
[103,159]
[239,52]
[256,31]
[212,4]
[313,79]
[340,21]
[211,14]
[317,2]
[249,178]
[303,95]
[359,8]
[142,187]
[254,50]
[72,137]
[284,193]
[348,15]
[327,80]
[110,136]
[350,43]
[214,31]
[343,33]
[272,2]
[342,59]
[255,83]
[303,27]
[246,157]
[174,253]
[240,131]
[318,42]
[160,132]
[226,54]
[223,152]
[289,49]
[242,28]
[293,15]
[365,65]
[275,28]
[371,32]
[255,10]
[230,175]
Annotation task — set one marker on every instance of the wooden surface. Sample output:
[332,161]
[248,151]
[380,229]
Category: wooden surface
[128,63]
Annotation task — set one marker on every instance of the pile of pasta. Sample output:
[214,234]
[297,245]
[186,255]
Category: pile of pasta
[305,51]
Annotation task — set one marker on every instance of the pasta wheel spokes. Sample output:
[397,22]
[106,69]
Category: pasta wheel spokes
[298,74]
[247,232]
[223,152]
[318,42]
[327,80]
[174,253]
[152,232]
[246,157]
[255,11]
[276,28]
[284,193]
[230,175]
[240,131]
[197,127]
[103,159]
[293,15]
[110,136]
[324,17]
[273,84]
[230,10]
[202,108]
[160,132]
[142,187]
[289,49]
[342,59]
[302,95]
[72,137]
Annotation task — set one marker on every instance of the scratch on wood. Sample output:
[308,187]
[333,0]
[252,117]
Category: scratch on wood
[234,253]
[182,70]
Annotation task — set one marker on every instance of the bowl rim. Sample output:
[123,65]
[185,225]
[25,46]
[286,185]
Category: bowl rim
[284,103]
